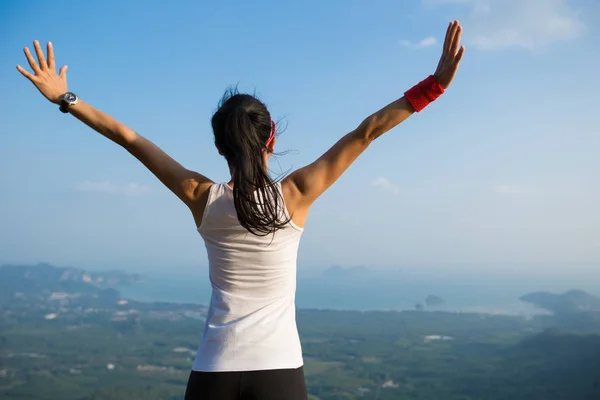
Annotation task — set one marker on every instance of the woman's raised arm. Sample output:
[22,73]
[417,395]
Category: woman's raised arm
[189,186]
[306,184]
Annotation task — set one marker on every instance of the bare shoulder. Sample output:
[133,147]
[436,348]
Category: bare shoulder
[199,188]
[195,185]
[294,201]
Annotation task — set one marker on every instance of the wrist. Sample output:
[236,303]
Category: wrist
[56,99]
[66,101]
[424,93]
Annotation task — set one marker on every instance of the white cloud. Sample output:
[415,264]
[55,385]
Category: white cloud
[526,24]
[385,185]
[427,42]
[130,189]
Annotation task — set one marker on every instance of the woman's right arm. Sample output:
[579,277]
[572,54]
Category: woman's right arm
[188,186]
[305,185]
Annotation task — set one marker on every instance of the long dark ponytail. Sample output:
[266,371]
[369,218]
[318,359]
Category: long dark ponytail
[242,127]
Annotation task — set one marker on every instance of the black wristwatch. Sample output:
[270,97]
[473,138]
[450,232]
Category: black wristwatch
[66,100]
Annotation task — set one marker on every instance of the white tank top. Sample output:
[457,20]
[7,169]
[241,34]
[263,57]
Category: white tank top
[251,320]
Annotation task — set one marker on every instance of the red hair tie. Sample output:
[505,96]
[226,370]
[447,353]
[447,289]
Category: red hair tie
[424,93]
[272,135]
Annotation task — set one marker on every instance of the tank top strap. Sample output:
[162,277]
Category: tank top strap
[215,191]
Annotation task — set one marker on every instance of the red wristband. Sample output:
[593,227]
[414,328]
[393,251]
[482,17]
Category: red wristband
[423,93]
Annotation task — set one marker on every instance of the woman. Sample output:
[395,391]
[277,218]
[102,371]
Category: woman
[251,225]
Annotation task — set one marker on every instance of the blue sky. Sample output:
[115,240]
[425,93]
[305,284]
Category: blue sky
[501,171]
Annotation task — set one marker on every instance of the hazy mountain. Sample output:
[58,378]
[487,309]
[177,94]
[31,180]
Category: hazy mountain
[568,302]
[46,278]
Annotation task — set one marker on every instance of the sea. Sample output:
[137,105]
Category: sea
[367,289]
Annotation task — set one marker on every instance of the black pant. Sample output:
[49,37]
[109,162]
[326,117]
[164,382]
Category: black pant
[276,384]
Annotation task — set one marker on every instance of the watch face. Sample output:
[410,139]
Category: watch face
[69,97]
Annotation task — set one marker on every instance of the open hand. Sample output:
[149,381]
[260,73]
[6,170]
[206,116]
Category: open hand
[44,77]
[451,55]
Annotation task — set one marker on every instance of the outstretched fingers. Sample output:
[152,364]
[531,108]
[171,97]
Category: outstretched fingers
[450,35]
[25,73]
[40,55]
[41,66]
[50,52]
[452,38]
[63,72]
[34,66]
[447,39]
[451,56]
[459,55]
[456,41]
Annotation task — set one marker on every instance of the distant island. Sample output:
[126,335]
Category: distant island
[51,273]
[73,294]
[46,278]
[430,301]
[572,301]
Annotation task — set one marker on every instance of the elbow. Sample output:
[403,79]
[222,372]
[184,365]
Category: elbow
[369,129]
[125,136]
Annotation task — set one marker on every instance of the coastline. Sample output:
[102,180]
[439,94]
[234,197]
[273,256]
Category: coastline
[313,297]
